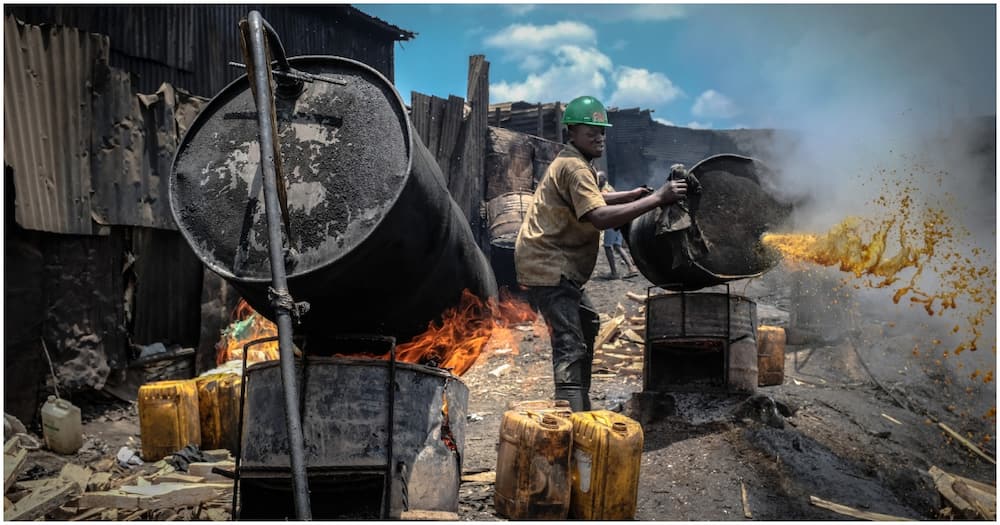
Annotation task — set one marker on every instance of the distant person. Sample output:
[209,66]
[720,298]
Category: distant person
[613,237]
[557,245]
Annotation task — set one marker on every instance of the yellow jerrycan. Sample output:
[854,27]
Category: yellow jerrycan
[607,453]
[533,466]
[168,417]
[219,410]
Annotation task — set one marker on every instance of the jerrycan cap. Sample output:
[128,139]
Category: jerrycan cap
[549,422]
[51,399]
[619,427]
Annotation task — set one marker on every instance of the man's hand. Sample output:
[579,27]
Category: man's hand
[671,191]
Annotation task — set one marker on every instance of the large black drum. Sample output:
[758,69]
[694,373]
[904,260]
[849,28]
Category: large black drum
[374,241]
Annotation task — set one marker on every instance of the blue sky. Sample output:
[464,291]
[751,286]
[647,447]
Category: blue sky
[712,66]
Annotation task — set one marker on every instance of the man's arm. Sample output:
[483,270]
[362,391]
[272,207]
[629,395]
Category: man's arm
[616,215]
[621,197]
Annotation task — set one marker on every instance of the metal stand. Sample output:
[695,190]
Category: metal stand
[257,55]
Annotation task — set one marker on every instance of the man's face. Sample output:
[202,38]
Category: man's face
[588,139]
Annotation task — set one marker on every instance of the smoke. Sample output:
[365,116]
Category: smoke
[870,101]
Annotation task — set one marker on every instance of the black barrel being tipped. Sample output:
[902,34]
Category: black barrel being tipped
[722,242]
[377,245]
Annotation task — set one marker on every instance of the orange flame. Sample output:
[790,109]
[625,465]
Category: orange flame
[454,344]
[464,332]
[247,326]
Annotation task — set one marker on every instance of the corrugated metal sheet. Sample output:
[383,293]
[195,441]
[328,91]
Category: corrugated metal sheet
[47,76]
[189,45]
[135,137]
[168,277]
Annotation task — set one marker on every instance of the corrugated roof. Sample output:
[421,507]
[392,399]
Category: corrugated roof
[47,118]
[189,45]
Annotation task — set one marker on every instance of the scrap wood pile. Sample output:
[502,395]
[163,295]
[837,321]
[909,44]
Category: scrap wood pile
[109,489]
[618,347]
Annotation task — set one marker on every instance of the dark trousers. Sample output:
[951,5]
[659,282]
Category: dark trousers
[573,325]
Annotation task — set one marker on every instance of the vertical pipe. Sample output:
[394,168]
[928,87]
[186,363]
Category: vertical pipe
[279,281]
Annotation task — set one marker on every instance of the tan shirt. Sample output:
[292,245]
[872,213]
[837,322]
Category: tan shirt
[553,241]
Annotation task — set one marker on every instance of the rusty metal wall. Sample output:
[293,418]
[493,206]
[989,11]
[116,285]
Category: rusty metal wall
[85,148]
[189,45]
[135,137]
[167,298]
[48,72]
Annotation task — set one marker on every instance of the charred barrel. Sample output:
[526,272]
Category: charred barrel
[374,242]
[716,237]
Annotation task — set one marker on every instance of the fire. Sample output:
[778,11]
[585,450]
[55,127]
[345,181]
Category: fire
[247,326]
[455,343]
[464,332]
[896,250]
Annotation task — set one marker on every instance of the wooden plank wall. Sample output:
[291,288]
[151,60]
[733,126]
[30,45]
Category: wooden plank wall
[458,141]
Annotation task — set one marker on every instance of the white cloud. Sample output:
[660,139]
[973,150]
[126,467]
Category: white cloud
[619,45]
[521,38]
[643,88]
[653,12]
[664,121]
[532,62]
[576,71]
[694,124]
[712,104]
[633,13]
[520,9]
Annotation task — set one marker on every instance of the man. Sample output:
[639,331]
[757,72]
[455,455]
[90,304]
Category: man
[557,245]
[613,237]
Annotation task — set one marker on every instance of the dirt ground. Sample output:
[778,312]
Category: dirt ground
[837,445]
[860,425]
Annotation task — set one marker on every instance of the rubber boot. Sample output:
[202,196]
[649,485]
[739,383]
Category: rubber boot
[609,251]
[570,387]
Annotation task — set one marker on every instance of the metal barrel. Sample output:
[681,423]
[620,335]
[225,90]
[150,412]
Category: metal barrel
[374,241]
[732,213]
[504,215]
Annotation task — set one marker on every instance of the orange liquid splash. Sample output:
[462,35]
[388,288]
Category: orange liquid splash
[898,249]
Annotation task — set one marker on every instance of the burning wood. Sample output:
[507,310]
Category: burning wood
[247,326]
[454,344]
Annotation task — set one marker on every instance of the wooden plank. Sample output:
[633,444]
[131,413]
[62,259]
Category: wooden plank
[852,512]
[428,515]
[76,475]
[746,502]
[177,477]
[963,494]
[481,477]
[42,501]
[607,330]
[436,114]
[204,470]
[985,504]
[163,496]
[641,299]
[420,106]
[99,481]
[13,464]
[87,514]
[451,125]
[965,442]
[465,183]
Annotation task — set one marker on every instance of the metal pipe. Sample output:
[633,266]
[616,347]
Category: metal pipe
[282,302]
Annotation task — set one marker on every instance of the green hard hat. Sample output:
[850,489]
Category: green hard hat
[586,110]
